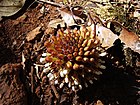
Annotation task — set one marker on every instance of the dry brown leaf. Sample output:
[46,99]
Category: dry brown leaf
[32,34]
[54,23]
[105,35]
[69,17]
[10,7]
[130,39]
[20,19]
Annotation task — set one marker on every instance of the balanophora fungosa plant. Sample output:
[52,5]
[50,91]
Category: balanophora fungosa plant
[72,58]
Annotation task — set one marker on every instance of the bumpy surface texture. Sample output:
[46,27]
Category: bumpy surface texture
[73,57]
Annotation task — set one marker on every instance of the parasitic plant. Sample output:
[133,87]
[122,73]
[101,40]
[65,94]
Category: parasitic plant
[72,58]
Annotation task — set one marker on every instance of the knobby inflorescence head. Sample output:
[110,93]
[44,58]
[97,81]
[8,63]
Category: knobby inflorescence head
[72,58]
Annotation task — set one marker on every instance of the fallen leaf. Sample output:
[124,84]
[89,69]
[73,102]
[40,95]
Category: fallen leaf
[54,23]
[130,39]
[63,98]
[20,19]
[49,31]
[68,17]
[10,7]
[32,34]
[105,35]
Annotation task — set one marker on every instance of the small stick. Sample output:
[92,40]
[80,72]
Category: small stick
[32,79]
[23,42]
[51,3]
[55,92]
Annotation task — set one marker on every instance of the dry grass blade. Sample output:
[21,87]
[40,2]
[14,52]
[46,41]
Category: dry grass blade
[23,61]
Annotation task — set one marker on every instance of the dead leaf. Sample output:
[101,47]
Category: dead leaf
[63,98]
[49,31]
[20,19]
[105,35]
[130,39]
[10,7]
[69,17]
[56,22]
[32,34]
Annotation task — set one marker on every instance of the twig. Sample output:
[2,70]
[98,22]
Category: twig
[40,49]
[51,3]
[32,79]
[23,42]
[104,3]
[55,92]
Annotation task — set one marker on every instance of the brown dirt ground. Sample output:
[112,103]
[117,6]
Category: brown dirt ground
[17,86]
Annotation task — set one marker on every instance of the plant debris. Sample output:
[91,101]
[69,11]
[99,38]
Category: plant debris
[33,34]
[53,61]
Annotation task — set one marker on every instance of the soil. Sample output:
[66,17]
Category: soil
[19,86]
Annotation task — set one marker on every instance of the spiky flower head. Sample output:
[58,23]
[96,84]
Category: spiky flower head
[72,58]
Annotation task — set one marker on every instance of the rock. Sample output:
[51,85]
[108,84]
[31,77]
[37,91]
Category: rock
[33,34]
[12,91]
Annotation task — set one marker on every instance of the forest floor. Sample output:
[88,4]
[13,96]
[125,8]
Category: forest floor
[17,86]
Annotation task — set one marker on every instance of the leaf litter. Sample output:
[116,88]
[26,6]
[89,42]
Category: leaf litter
[48,94]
